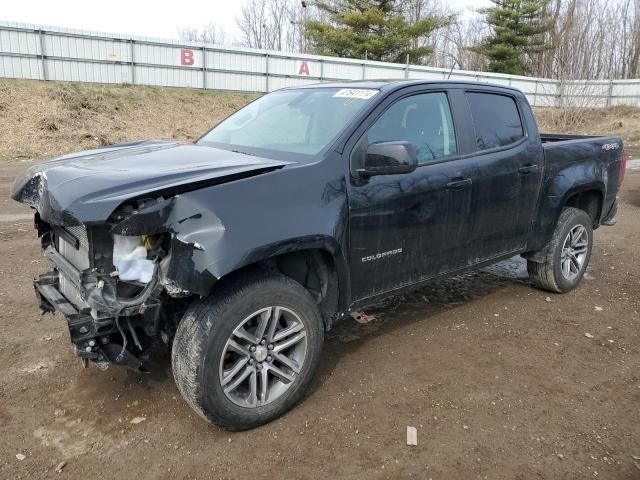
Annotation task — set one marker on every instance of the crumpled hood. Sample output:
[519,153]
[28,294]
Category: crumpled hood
[88,186]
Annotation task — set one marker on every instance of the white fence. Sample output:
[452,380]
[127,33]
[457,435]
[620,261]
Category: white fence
[51,53]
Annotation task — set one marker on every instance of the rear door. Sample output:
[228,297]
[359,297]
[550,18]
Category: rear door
[509,160]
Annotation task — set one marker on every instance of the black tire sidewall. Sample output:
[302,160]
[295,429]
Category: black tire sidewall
[577,217]
[277,291]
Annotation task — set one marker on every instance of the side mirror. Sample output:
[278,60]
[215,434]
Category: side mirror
[389,158]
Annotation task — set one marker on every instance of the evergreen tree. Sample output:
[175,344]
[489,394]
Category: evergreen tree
[517,30]
[375,29]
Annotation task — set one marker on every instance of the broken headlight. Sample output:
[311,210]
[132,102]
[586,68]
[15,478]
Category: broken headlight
[130,257]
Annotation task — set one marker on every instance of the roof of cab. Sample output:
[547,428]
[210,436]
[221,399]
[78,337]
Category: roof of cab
[386,85]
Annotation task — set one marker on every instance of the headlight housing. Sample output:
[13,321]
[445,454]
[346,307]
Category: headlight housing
[130,258]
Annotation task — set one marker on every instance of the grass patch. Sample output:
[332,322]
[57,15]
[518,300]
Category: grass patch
[46,119]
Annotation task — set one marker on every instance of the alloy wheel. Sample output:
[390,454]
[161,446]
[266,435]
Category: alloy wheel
[574,252]
[263,356]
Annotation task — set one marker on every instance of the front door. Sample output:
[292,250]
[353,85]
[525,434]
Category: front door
[406,228]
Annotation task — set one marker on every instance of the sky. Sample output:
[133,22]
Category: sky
[140,17]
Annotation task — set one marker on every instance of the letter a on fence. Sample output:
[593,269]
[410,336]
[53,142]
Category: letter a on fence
[304,68]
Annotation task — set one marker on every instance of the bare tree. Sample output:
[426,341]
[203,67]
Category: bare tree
[591,39]
[271,24]
[451,46]
[209,33]
[439,40]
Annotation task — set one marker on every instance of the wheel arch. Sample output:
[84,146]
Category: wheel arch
[588,198]
[315,262]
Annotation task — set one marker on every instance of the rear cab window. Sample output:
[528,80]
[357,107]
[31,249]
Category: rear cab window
[496,120]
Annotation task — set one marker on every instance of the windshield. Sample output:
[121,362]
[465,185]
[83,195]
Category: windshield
[297,121]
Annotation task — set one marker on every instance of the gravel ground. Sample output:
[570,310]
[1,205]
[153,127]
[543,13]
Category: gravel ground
[499,379]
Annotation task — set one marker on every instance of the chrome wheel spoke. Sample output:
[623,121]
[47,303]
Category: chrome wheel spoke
[581,242]
[272,323]
[280,374]
[290,342]
[573,262]
[239,379]
[290,330]
[566,266]
[577,235]
[246,336]
[268,320]
[290,364]
[233,371]
[253,388]
[264,386]
[578,249]
[236,347]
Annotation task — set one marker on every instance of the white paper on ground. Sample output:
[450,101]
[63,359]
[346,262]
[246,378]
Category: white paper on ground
[412,436]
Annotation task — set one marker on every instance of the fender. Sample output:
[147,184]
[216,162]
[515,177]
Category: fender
[559,189]
[325,243]
[595,186]
[218,230]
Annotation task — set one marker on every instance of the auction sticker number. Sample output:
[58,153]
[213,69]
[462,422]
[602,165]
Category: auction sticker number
[362,93]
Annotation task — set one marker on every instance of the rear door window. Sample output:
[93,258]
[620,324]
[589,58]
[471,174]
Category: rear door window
[496,120]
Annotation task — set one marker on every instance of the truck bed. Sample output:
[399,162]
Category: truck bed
[575,154]
[562,137]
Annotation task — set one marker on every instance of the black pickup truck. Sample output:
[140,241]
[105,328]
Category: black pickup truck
[240,250]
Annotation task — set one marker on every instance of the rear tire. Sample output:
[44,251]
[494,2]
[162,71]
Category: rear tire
[568,253]
[265,328]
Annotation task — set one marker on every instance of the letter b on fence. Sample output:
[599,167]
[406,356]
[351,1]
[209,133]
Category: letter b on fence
[186,56]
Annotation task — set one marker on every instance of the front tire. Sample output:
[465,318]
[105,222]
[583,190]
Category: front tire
[568,253]
[247,354]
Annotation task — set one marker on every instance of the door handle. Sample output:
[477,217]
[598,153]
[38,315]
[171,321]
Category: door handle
[458,183]
[528,168]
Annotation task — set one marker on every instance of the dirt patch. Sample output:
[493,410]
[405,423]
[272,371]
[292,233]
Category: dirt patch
[632,196]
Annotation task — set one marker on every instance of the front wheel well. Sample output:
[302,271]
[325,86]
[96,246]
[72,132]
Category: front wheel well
[315,269]
[590,201]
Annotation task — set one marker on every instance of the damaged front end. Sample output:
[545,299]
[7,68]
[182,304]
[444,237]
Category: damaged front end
[132,238]
[112,289]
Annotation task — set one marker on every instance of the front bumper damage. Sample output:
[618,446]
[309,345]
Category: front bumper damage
[100,337]
[91,338]
[125,283]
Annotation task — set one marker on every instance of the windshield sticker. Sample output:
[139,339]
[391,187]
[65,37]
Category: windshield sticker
[362,93]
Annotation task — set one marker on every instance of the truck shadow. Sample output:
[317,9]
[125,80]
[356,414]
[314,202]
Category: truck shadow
[391,314]
[417,307]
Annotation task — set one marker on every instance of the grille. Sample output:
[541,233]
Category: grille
[80,233]
[78,257]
